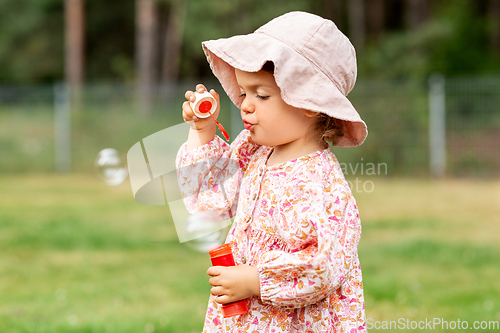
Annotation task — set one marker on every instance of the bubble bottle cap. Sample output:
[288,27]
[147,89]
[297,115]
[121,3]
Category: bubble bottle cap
[204,105]
[220,250]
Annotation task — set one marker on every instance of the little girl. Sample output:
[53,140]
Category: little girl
[296,225]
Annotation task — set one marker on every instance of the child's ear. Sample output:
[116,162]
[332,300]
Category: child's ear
[310,113]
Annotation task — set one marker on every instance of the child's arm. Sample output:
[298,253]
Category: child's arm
[209,171]
[309,274]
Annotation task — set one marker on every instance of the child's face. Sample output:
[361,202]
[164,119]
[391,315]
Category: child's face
[270,120]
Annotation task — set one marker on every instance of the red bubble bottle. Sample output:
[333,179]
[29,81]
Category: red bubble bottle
[223,256]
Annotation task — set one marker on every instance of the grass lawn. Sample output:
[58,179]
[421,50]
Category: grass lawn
[78,256]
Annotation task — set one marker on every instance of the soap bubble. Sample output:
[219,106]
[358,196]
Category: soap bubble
[207,231]
[110,166]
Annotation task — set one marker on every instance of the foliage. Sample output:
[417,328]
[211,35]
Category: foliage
[31,40]
[406,54]
[453,42]
[225,18]
[110,39]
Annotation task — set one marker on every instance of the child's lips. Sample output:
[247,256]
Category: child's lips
[247,125]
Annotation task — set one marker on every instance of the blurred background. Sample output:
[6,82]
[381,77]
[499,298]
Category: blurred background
[80,76]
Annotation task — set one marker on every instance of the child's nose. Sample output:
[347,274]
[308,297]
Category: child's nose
[247,107]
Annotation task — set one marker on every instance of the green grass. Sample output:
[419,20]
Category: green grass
[431,250]
[79,256]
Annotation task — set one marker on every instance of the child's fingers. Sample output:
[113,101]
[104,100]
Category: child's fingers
[214,271]
[221,295]
[217,98]
[187,112]
[215,281]
[217,291]
[190,96]
[223,299]
[200,88]
[215,94]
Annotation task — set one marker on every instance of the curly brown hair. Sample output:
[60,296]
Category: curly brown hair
[329,129]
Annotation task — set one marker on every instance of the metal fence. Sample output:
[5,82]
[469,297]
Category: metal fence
[440,127]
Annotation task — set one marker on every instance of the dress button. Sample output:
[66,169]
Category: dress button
[254,196]
[244,260]
[249,219]
[260,173]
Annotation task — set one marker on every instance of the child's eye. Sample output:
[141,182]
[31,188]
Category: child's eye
[262,97]
[243,95]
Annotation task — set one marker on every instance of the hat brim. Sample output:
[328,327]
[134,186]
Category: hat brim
[302,84]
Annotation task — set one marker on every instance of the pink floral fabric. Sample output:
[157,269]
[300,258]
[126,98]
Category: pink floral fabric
[297,222]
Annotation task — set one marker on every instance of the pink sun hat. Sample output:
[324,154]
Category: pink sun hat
[314,66]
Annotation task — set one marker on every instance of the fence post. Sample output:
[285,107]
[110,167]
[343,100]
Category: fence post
[62,127]
[437,126]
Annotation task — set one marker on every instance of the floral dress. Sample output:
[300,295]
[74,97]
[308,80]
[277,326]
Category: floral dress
[297,222]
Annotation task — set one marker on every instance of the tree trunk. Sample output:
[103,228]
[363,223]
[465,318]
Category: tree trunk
[356,12]
[333,10]
[146,51]
[417,12]
[376,18]
[494,17]
[75,44]
[173,41]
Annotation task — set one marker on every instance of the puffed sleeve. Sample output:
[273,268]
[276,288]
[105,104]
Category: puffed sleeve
[209,176]
[325,261]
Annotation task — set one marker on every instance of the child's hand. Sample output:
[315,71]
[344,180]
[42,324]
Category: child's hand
[234,283]
[189,116]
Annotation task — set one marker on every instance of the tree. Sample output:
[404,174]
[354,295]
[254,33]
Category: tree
[146,50]
[494,20]
[333,10]
[173,41]
[376,18]
[417,12]
[356,11]
[75,36]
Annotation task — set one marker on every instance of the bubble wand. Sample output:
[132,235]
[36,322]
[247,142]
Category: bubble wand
[204,106]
